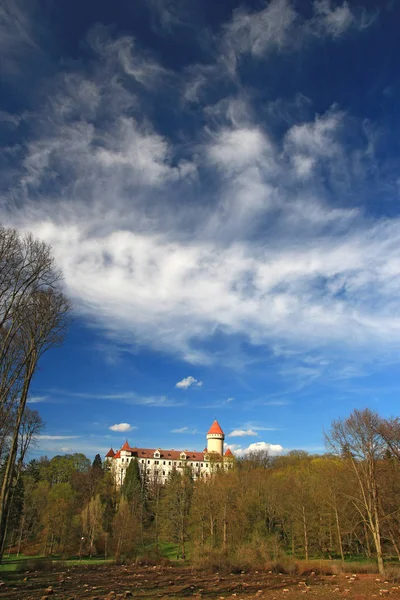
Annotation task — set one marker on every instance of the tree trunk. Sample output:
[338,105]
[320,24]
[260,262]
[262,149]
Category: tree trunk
[339,534]
[225,531]
[377,539]
[212,527]
[395,546]
[6,488]
[20,535]
[305,531]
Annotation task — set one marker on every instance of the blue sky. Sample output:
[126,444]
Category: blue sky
[220,185]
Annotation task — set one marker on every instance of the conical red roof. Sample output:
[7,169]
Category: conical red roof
[110,453]
[126,446]
[228,452]
[215,428]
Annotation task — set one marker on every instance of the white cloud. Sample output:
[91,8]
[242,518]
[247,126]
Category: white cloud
[278,27]
[181,430]
[17,35]
[332,21]
[168,14]
[258,32]
[121,427]
[272,449]
[122,53]
[258,252]
[188,382]
[126,397]
[242,433]
[37,399]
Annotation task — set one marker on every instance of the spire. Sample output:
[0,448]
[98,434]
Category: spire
[126,446]
[110,453]
[228,452]
[215,428]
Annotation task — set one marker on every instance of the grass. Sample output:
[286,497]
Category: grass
[14,563]
[168,550]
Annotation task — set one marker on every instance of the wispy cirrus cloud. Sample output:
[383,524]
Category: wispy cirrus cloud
[180,430]
[37,399]
[267,247]
[276,403]
[18,33]
[184,430]
[58,437]
[243,433]
[279,27]
[125,397]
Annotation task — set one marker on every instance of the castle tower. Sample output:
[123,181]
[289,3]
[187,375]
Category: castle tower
[215,439]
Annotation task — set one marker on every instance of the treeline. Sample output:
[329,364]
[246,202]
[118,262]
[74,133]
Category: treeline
[337,505]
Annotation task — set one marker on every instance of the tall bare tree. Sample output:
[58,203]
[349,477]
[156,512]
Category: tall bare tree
[31,425]
[358,441]
[33,318]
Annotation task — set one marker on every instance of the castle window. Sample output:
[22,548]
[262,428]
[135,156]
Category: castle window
[156,461]
[163,472]
[169,463]
[142,461]
[201,464]
[148,462]
[164,462]
[148,471]
[197,464]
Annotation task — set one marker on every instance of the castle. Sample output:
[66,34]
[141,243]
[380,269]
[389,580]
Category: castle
[156,464]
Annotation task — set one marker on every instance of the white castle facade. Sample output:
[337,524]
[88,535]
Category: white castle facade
[156,464]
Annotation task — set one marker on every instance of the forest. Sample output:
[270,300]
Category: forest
[339,505]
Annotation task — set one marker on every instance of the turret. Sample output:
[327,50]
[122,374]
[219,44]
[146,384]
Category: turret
[215,439]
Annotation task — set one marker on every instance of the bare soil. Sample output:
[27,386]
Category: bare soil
[109,582]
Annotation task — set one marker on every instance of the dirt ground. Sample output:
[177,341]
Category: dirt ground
[120,582]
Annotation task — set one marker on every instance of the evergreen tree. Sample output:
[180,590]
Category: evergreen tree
[96,475]
[134,491]
[132,487]
[97,464]
[175,508]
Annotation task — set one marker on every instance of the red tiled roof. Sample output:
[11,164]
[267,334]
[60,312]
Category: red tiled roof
[215,428]
[228,452]
[126,446]
[164,454]
[110,453]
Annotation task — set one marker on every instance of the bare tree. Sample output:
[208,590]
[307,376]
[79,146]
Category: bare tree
[33,318]
[358,441]
[389,429]
[31,425]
